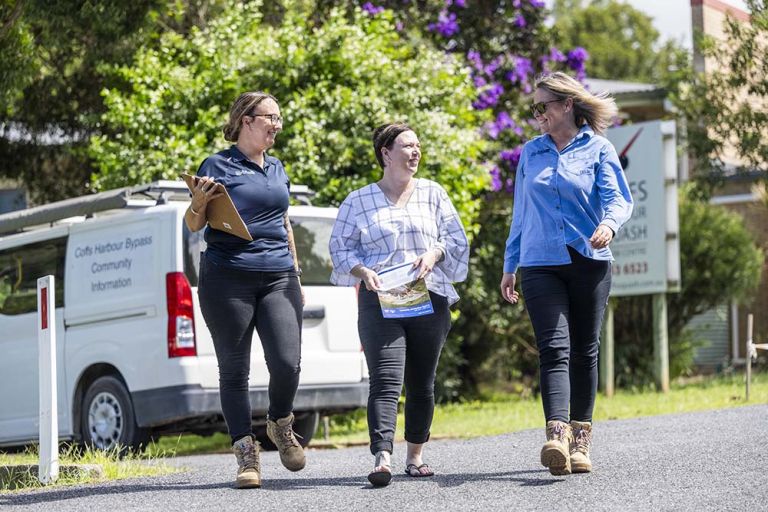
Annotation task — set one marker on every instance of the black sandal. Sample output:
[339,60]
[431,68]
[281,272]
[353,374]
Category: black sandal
[410,467]
[380,478]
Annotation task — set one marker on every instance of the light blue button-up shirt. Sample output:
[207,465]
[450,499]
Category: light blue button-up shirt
[562,196]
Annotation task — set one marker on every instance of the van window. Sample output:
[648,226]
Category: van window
[20,269]
[194,244]
[311,236]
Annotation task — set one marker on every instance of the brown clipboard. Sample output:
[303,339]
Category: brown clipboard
[221,212]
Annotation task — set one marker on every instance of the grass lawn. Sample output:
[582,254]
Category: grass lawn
[507,413]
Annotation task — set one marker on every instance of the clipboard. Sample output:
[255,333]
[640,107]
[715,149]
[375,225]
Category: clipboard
[221,212]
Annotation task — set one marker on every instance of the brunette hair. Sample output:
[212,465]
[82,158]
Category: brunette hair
[384,136]
[243,106]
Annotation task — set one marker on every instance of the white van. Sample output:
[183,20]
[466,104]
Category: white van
[134,356]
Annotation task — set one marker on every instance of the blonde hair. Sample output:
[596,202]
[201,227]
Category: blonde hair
[243,106]
[596,110]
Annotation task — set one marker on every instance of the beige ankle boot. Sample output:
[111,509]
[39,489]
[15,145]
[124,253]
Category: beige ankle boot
[281,433]
[582,443]
[555,454]
[248,465]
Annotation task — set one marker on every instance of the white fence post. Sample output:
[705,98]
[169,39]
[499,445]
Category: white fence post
[752,349]
[48,469]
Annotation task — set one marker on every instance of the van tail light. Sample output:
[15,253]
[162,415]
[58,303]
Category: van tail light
[181,316]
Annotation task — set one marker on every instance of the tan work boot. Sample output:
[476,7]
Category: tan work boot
[555,454]
[281,433]
[248,466]
[580,446]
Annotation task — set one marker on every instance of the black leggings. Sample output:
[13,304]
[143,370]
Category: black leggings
[235,301]
[397,350]
[566,305]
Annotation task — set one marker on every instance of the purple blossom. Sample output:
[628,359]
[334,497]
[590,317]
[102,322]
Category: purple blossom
[496,182]
[446,24]
[492,66]
[457,3]
[477,61]
[488,98]
[536,4]
[479,81]
[576,59]
[517,3]
[503,122]
[399,26]
[510,186]
[371,9]
[523,68]
[511,156]
[556,55]
[520,21]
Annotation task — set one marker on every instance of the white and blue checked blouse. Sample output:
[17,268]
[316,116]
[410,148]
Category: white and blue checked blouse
[371,231]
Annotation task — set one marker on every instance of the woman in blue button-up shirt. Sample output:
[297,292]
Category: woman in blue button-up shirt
[571,197]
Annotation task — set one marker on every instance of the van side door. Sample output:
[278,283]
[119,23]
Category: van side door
[20,267]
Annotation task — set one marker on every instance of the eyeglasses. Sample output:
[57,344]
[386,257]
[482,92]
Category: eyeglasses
[273,118]
[541,107]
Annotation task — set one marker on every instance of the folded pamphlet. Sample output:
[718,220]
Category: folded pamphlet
[401,294]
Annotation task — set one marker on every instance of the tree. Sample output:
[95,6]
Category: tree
[621,40]
[720,262]
[50,80]
[335,82]
[725,107]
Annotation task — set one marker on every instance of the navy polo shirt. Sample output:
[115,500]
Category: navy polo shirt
[261,198]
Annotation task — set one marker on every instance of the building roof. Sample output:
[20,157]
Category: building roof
[617,87]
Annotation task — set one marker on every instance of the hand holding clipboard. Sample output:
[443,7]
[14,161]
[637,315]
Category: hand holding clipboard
[220,212]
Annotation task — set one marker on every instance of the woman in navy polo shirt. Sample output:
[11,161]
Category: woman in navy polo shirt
[252,284]
[571,197]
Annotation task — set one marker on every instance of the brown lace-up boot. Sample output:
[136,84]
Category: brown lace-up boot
[248,466]
[555,454]
[582,442]
[281,433]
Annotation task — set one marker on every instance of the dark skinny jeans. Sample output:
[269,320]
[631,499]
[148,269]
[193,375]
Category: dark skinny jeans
[397,350]
[233,303]
[566,305]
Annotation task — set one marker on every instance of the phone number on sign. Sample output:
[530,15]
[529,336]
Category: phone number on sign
[639,267]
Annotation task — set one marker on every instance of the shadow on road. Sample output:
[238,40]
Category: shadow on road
[285,484]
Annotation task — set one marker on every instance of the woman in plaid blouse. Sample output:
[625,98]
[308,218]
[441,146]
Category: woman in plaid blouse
[400,219]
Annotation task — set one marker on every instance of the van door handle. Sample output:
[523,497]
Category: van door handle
[314,312]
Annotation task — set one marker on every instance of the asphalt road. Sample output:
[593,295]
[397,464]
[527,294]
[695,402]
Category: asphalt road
[701,461]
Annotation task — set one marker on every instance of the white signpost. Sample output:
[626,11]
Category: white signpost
[48,469]
[647,248]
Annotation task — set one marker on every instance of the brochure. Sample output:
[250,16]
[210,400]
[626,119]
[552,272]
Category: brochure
[402,295]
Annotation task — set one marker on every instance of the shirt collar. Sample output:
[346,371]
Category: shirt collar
[236,155]
[585,132]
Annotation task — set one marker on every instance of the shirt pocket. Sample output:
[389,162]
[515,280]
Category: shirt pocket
[581,165]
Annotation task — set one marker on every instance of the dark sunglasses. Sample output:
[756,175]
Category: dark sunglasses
[541,107]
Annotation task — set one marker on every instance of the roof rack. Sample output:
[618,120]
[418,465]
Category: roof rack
[139,196]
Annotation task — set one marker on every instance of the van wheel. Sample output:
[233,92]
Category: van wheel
[304,425]
[107,418]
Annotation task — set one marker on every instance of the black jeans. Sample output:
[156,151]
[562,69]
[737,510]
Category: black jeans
[235,301]
[397,350]
[566,305]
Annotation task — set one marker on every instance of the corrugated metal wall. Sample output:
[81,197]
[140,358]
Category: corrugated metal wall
[712,328]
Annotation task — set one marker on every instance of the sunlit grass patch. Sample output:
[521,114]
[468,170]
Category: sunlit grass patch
[114,466]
